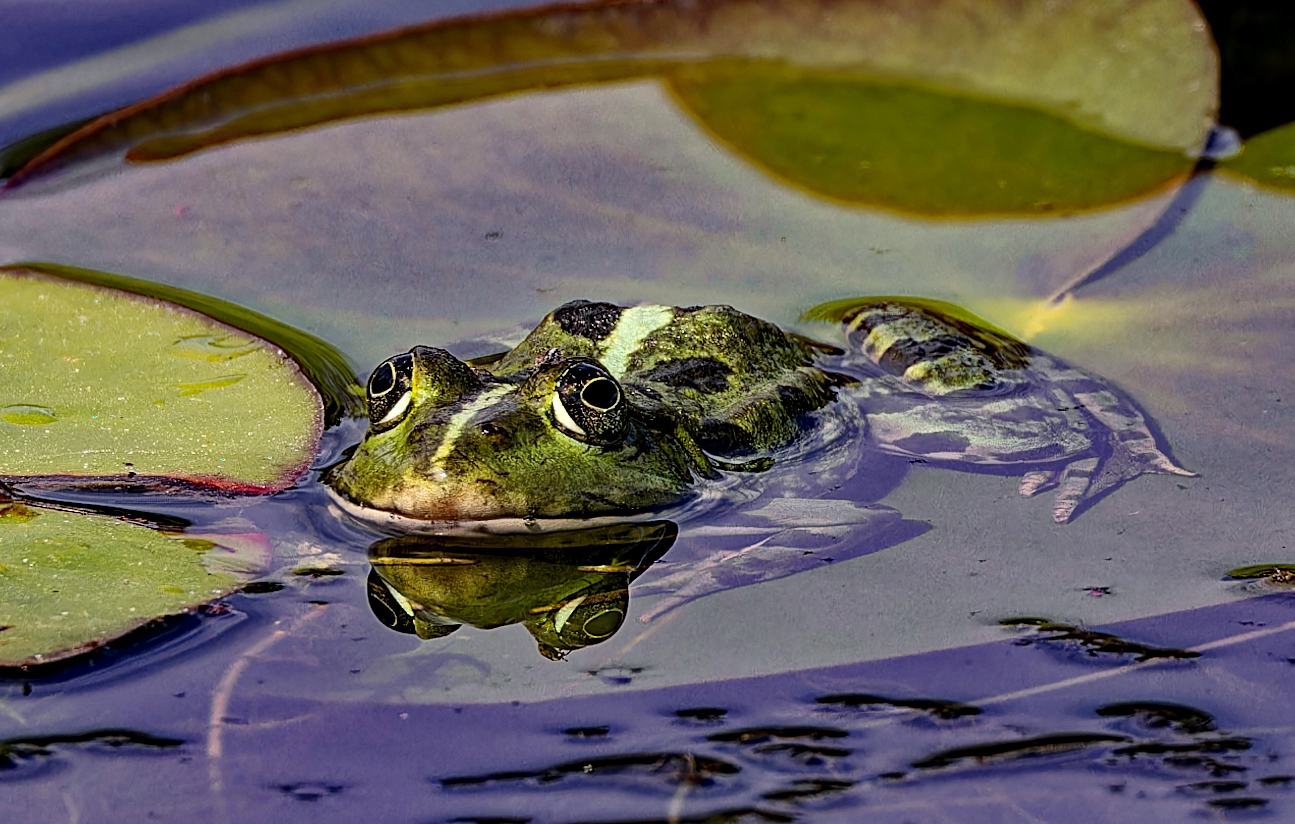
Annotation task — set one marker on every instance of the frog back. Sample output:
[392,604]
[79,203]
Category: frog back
[739,385]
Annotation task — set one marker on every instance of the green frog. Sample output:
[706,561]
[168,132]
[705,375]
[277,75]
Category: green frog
[606,409]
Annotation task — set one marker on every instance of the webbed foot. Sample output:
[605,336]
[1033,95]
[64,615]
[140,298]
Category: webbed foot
[1128,453]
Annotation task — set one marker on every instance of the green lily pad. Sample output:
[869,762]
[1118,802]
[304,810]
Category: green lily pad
[100,385]
[70,581]
[1267,159]
[1030,107]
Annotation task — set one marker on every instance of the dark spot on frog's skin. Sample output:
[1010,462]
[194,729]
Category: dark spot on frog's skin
[724,438]
[902,354]
[587,319]
[931,442]
[706,375]
[498,436]
[875,317]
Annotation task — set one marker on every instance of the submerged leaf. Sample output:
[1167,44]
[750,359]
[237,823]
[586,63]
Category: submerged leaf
[100,384]
[922,151]
[70,581]
[1032,107]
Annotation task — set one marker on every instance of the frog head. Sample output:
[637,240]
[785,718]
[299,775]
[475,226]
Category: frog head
[561,437]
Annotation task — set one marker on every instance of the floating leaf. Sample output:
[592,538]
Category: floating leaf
[326,367]
[1268,159]
[100,384]
[1030,107]
[71,581]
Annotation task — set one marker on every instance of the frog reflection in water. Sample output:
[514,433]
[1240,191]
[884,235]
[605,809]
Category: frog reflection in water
[569,588]
[604,409]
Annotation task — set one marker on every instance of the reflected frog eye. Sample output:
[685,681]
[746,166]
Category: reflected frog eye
[390,391]
[589,405]
[603,624]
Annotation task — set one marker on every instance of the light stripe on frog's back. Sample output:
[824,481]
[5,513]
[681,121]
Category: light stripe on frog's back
[635,324]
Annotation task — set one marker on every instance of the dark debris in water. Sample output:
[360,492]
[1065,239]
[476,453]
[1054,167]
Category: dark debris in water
[318,572]
[703,715]
[1245,803]
[1095,643]
[760,735]
[1210,745]
[17,752]
[671,768]
[1157,715]
[739,815]
[587,732]
[309,790]
[262,587]
[616,675]
[1018,748]
[1214,787]
[1277,780]
[946,710]
[807,788]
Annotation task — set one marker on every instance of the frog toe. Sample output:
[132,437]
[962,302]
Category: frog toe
[1075,485]
[1162,464]
[1038,480]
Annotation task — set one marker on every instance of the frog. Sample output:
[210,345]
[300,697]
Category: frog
[606,410]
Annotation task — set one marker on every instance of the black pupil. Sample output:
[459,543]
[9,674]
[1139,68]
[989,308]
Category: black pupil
[384,378]
[600,393]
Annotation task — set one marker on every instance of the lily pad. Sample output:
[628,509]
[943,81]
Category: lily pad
[1013,97]
[1267,159]
[104,385]
[70,581]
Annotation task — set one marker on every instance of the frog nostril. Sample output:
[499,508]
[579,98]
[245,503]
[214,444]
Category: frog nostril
[600,393]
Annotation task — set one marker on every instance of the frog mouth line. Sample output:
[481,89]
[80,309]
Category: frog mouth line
[398,524]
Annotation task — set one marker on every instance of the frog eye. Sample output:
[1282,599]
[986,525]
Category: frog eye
[390,391]
[589,405]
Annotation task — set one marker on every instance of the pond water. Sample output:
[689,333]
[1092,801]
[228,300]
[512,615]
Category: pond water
[878,679]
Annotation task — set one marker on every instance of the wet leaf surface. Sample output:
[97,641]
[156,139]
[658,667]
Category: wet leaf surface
[1112,109]
[70,582]
[101,384]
